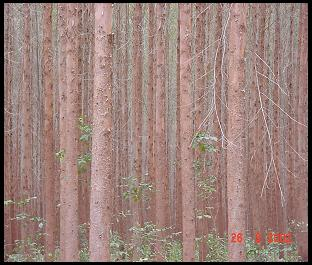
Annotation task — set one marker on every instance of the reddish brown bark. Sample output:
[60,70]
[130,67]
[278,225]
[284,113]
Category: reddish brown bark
[26,164]
[178,199]
[251,166]
[290,154]
[101,168]
[217,130]
[69,207]
[279,225]
[302,173]
[236,179]
[150,103]
[50,214]
[124,117]
[160,136]
[16,105]
[83,147]
[256,170]
[62,17]
[261,200]
[137,106]
[8,210]
[270,192]
[187,174]
[199,157]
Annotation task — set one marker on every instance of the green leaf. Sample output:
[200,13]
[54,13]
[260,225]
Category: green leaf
[202,147]
[84,138]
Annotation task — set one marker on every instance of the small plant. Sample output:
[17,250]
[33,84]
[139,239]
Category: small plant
[60,154]
[27,250]
[118,248]
[85,129]
[206,186]
[144,238]
[83,161]
[84,242]
[136,191]
[202,142]
[217,248]
[173,251]
[200,214]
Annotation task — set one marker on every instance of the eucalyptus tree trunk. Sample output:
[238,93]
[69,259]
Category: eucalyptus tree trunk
[62,20]
[186,123]
[236,122]
[69,207]
[49,178]
[26,163]
[101,166]
[160,136]
[302,181]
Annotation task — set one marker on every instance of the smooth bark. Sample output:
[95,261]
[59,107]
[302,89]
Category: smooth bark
[236,179]
[101,167]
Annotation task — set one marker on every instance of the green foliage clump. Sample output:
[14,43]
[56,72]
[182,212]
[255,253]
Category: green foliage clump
[202,142]
[84,242]
[217,248]
[136,191]
[118,248]
[28,250]
[60,155]
[173,250]
[83,162]
[86,130]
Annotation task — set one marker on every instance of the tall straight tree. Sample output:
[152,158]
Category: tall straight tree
[260,128]
[217,123]
[124,112]
[26,170]
[236,119]
[301,185]
[62,13]
[137,105]
[101,167]
[150,100]
[69,207]
[160,137]
[178,198]
[49,177]
[201,224]
[186,123]
[8,210]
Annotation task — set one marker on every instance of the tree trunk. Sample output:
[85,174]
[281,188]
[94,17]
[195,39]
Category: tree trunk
[62,13]
[217,123]
[160,136]
[302,181]
[199,157]
[69,207]
[137,106]
[50,213]
[178,199]
[101,167]
[150,102]
[26,163]
[236,117]
[186,123]
[124,116]
[8,176]
[260,130]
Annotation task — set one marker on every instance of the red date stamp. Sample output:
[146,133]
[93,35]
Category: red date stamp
[271,238]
